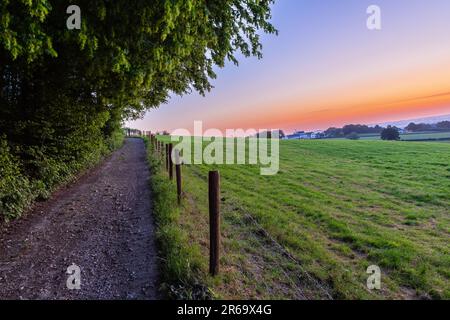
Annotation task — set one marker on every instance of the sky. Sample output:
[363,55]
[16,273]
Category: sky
[326,68]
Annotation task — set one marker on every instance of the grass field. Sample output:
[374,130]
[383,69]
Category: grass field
[334,208]
[425,135]
[411,136]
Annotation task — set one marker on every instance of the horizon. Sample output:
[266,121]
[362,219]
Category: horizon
[401,123]
[326,69]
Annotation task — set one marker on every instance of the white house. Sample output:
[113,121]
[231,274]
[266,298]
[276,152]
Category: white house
[302,135]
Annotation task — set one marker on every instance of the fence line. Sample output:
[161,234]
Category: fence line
[214,213]
[214,199]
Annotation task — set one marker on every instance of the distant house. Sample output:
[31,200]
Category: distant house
[316,135]
[295,136]
[302,135]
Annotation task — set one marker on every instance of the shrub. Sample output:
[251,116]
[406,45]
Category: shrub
[390,133]
[32,173]
[15,189]
[180,261]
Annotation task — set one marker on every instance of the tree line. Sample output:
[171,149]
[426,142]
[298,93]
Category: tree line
[353,132]
[351,129]
[424,127]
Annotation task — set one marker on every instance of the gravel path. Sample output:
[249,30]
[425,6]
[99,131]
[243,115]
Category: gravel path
[102,223]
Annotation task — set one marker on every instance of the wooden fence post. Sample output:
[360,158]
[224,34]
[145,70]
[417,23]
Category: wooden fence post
[178,174]
[170,162]
[214,221]
[167,156]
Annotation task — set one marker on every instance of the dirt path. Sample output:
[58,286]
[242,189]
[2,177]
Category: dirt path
[102,223]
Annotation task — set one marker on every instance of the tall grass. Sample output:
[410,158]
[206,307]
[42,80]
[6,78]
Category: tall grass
[181,276]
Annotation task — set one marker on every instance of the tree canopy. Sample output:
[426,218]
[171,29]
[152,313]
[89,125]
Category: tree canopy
[64,93]
[440,126]
[133,53]
[390,133]
[350,129]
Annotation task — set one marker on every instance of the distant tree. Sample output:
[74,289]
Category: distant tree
[351,128]
[443,125]
[333,133]
[390,133]
[360,128]
[353,136]
[413,127]
[378,129]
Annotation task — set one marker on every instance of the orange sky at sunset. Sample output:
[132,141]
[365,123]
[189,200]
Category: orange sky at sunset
[327,69]
[413,94]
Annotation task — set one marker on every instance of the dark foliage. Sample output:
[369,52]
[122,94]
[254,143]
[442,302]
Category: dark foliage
[351,128]
[424,127]
[390,133]
[65,93]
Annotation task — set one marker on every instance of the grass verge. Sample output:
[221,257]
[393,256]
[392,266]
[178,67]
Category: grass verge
[181,261]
